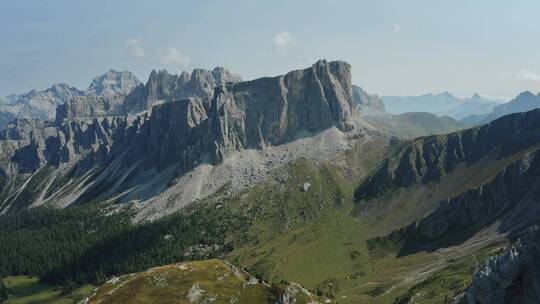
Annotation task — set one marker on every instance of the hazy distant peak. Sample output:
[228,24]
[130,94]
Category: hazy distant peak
[446,94]
[476,96]
[59,86]
[113,82]
[526,94]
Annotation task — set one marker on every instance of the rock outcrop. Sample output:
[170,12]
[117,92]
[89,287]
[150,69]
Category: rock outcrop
[90,106]
[252,114]
[512,276]
[164,87]
[111,155]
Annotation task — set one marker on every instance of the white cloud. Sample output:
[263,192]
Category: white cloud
[174,57]
[529,76]
[135,47]
[283,41]
[396,28]
[134,40]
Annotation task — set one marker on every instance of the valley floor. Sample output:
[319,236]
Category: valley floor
[28,290]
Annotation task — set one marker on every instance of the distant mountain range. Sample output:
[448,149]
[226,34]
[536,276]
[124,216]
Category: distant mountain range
[443,104]
[112,94]
[408,124]
[43,104]
[525,101]
[470,111]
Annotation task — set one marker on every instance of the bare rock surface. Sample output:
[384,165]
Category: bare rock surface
[512,276]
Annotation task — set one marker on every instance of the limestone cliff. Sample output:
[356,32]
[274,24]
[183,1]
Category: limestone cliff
[79,158]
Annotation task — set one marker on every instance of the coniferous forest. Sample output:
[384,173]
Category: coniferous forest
[79,245]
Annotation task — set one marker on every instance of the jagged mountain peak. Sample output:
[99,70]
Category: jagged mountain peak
[113,82]
[163,86]
[59,86]
[337,65]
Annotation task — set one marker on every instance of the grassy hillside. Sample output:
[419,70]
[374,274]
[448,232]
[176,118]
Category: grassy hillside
[327,251]
[415,124]
[209,281]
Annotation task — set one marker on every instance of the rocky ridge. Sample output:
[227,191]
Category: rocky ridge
[429,159]
[507,201]
[136,158]
[165,87]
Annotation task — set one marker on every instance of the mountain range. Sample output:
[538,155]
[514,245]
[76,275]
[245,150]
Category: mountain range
[469,111]
[525,101]
[304,181]
[443,104]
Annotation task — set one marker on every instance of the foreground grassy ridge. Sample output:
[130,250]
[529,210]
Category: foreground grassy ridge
[210,281]
[28,290]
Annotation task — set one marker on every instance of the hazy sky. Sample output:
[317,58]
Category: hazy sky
[395,47]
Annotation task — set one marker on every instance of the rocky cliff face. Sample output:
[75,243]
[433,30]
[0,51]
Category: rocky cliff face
[162,86]
[38,157]
[252,114]
[429,159]
[90,106]
[512,276]
[78,160]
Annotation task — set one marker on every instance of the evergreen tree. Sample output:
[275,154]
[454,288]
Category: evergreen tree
[3,291]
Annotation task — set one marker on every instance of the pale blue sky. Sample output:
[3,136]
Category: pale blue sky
[395,47]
